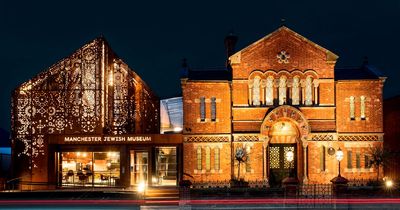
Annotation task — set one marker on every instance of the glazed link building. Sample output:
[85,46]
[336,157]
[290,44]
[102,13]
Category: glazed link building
[90,121]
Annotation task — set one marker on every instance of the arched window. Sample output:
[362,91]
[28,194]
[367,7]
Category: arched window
[256,91]
[352,108]
[362,101]
[295,91]
[269,91]
[282,90]
[208,158]
[308,91]
[216,159]
[199,158]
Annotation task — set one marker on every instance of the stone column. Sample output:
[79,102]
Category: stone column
[316,84]
[305,178]
[302,84]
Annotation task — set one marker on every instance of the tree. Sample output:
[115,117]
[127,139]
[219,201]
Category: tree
[241,157]
[379,157]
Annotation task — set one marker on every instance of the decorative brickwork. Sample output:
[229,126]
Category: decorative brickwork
[248,138]
[360,138]
[207,138]
[322,137]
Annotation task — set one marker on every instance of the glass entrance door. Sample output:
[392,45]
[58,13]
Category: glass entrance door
[279,165]
[139,167]
[166,166]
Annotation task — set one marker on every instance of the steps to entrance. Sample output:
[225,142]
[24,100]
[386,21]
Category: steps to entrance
[162,193]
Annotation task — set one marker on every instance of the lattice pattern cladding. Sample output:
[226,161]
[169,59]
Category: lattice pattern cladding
[70,97]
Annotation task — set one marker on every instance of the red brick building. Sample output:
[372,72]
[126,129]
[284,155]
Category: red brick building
[282,93]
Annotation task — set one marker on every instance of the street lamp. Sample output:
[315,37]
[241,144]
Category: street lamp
[339,181]
[339,157]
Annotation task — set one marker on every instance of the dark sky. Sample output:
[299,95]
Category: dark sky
[153,37]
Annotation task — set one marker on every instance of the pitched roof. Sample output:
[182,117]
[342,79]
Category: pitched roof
[235,58]
[365,71]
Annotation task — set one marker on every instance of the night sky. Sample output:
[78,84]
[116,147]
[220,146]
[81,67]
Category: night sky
[153,37]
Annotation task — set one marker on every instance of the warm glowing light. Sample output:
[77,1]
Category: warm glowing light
[141,187]
[154,180]
[389,183]
[339,155]
[178,129]
[109,154]
[84,154]
[289,156]
[78,154]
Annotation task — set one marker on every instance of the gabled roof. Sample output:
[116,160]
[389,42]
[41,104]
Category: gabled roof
[365,71]
[235,58]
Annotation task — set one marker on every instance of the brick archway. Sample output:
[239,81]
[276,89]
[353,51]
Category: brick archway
[285,113]
[297,134]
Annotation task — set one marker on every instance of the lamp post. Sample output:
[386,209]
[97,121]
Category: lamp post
[339,182]
[339,157]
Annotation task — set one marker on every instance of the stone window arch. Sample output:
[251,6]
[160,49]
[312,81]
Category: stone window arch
[216,159]
[282,90]
[309,91]
[352,108]
[256,91]
[208,158]
[362,108]
[296,91]
[269,91]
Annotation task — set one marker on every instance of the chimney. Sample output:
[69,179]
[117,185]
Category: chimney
[230,42]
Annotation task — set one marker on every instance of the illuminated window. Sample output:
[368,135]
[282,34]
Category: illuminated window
[362,107]
[208,158]
[203,109]
[295,91]
[256,91]
[248,163]
[352,109]
[282,90]
[358,160]
[269,91]
[216,159]
[322,158]
[213,109]
[198,158]
[308,91]
[349,161]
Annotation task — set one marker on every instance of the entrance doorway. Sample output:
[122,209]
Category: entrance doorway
[279,166]
[139,167]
